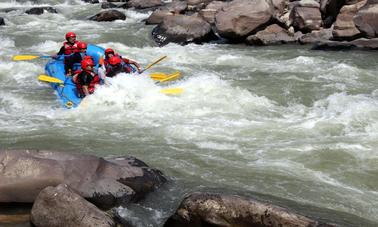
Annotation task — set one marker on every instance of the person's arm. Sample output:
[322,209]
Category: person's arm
[129,61]
[61,51]
[85,90]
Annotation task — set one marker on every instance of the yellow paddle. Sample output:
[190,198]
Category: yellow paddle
[172,91]
[49,79]
[170,77]
[28,57]
[153,63]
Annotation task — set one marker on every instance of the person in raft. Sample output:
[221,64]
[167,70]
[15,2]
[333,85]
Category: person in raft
[73,61]
[69,47]
[86,79]
[125,62]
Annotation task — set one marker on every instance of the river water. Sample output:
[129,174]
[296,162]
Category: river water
[280,123]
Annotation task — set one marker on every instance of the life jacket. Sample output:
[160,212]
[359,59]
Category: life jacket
[70,49]
[91,87]
[77,65]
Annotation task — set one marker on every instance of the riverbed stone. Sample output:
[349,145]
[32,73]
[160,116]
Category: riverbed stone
[324,34]
[306,18]
[182,29]
[2,22]
[108,15]
[143,4]
[108,5]
[105,181]
[208,14]
[273,34]
[366,19]
[219,210]
[344,27]
[41,10]
[242,18]
[61,206]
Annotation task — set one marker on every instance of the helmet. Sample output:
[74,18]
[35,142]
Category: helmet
[86,62]
[87,57]
[109,51]
[82,45]
[70,35]
[114,60]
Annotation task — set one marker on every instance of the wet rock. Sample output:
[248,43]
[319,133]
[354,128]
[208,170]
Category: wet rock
[61,206]
[2,22]
[182,29]
[109,15]
[216,210]
[366,19]
[41,10]
[208,14]
[273,34]
[242,18]
[344,27]
[176,7]
[158,16]
[333,46]
[108,5]
[316,36]
[366,43]
[143,4]
[306,18]
[330,9]
[91,1]
[106,182]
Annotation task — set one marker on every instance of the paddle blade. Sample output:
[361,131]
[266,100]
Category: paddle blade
[173,76]
[24,57]
[172,91]
[158,76]
[49,79]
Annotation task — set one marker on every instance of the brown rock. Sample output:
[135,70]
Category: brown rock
[366,19]
[306,19]
[208,14]
[273,34]
[315,36]
[157,16]
[143,4]
[109,15]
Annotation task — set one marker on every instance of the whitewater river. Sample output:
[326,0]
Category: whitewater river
[280,123]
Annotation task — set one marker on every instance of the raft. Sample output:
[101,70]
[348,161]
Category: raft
[67,92]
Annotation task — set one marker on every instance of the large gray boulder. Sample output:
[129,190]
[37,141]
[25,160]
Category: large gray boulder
[108,15]
[344,27]
[143,4]
[322,35]
[158,16]
[105,182]
[273,34]
[366,19]
[61,206]
[242,18]
[2,22]
[216,210]
[208,14]
[306,17]
[182,29]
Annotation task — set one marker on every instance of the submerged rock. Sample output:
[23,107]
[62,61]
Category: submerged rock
[61,206]
[105,182]
[2,22]
[109,15]
[216,210]
[41,10]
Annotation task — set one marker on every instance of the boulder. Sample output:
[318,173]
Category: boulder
[208,14]
[106,182]
[216,210]
[242,18]
[91,1]
[176,7]
[61,206]
[182,29]
[108,5]
[306,18]
[344,27]
[41,10]
[2,22]
[273,34]
[109,15]
[330,9]
[157,16]
[143,4]
[316,36]
[366,19]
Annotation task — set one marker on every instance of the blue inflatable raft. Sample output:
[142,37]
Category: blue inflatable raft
[67,92]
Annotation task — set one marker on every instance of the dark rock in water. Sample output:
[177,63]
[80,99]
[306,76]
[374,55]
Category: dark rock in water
[2,22]
[41,10]
[182,29]
[333,46]
[273,34]
[216,210]
[109,15]
[143,4]
[91,1]
[366,19]
[108,5]
[105,182]
[61,206]
[330,9]
[242,18]
[366,43]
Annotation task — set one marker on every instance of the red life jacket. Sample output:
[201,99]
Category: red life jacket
[91,87]
[69,48]
[124,64]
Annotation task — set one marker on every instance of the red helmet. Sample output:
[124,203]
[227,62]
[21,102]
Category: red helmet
[109,51]
[86,62]
[87,57]
[70,35]
[82,45]
[114,60]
